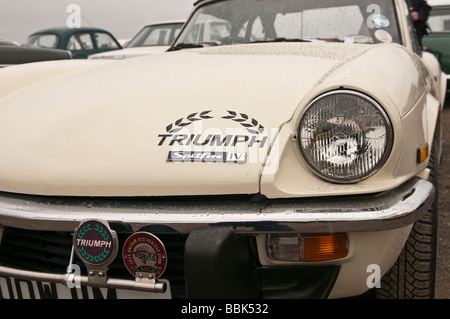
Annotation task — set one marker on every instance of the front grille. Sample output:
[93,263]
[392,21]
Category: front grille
[49,252]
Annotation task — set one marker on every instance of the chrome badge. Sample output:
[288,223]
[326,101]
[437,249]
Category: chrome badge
[95,243]
[144,253]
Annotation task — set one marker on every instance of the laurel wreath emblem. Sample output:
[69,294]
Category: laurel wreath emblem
[250,124]
[191,118]
[93,258]
[97,258]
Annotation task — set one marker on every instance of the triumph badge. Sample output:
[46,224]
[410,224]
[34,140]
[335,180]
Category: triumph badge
[144,253]
[95,243]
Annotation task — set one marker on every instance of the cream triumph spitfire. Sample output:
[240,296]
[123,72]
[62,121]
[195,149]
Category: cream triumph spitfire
[279,149]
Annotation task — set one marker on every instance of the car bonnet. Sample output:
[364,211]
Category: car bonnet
[192,122]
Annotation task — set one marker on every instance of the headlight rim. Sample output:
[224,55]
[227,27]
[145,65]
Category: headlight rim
[389,141]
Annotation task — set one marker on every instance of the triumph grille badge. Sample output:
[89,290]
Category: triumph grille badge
[95,243]
[144,253]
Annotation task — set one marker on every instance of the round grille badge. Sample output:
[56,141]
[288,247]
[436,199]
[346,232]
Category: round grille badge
[144,252]
[95,243]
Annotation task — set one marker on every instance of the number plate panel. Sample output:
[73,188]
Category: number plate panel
[11,288]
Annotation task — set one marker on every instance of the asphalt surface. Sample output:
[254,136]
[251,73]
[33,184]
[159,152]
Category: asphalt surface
[443,249]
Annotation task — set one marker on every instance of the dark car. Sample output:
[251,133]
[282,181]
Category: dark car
[12,53]
[82,42]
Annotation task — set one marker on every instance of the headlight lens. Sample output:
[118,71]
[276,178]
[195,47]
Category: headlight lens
[344,136]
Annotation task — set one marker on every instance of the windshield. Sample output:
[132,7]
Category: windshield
[246,21]
[156,35]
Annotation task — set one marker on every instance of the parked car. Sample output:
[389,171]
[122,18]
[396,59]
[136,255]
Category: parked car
[82,42]
[13,53]
[438,39]
[291,154]
[152,39]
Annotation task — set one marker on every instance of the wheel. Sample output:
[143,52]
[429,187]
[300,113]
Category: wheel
[414,273]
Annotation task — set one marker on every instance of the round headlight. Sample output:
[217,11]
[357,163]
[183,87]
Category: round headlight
[344,136]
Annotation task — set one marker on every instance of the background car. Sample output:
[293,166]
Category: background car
[12,53]
[82,42]
[152,39]
[438,40]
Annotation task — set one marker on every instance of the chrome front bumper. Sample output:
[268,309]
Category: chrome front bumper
[388,210]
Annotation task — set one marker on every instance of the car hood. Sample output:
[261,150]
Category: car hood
[129,52]
[96,128]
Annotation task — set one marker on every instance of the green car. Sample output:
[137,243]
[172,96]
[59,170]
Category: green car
[81,42]
[438,40]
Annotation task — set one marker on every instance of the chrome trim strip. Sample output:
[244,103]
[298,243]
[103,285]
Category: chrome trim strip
[392,209]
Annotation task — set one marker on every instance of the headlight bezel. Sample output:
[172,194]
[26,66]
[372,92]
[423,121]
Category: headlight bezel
[387,147]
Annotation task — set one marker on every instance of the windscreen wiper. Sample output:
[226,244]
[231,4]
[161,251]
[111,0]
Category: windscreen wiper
[282,40]
[189,45]
[181,46]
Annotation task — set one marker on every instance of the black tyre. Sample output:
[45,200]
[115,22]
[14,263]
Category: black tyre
[414,273]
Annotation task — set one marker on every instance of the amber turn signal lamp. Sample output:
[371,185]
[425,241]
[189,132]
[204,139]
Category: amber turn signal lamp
[319,247]
[307,247]
[422,153]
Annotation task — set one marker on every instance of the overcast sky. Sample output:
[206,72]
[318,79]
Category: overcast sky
[124,18]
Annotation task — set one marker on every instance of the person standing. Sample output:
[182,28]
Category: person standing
[420,11]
